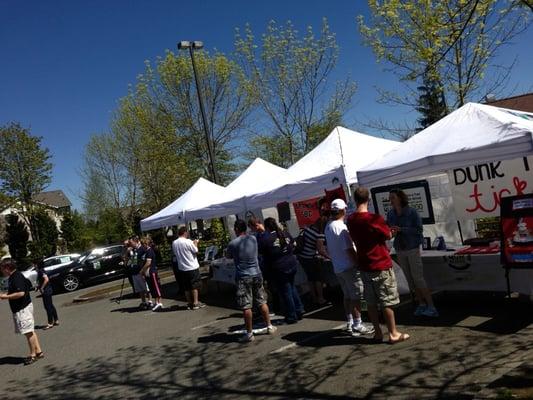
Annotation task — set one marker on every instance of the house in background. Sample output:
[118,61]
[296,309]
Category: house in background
[523,102]
[55,202]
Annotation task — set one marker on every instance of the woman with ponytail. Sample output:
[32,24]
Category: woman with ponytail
[277,249]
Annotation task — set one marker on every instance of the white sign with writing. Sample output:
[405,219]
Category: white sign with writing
[478,189]
[417,193]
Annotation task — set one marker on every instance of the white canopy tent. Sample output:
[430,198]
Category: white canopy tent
[333,162]
[235,198]
[202,192]
[472,134]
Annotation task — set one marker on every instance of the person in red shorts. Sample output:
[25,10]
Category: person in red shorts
[370,233]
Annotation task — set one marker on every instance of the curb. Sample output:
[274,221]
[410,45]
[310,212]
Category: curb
[98,294]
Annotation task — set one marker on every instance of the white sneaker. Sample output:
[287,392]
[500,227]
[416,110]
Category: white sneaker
[349,327]
[362,329]
[158,306]
[246,338]
[271,329]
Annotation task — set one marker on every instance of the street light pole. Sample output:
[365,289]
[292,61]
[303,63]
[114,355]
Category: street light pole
[194,45]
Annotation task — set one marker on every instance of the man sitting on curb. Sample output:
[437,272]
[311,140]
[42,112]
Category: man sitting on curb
[186,251]
[250,290]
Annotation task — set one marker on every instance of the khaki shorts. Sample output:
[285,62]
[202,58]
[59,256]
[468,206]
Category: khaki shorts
[380,288]
[23,319]
[411,263]
[351,284]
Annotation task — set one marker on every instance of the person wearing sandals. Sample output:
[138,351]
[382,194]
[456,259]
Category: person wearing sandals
[45,288]
[406,227]
[370,233]
[18,294]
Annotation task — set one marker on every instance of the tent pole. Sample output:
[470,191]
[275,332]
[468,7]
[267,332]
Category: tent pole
[460,232]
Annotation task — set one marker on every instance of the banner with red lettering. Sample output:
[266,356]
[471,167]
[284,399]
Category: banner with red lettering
[477,190]
[306,211]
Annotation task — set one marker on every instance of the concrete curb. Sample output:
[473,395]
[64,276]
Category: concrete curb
[98,294]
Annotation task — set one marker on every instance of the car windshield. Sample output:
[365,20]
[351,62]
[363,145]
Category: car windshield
[84,256]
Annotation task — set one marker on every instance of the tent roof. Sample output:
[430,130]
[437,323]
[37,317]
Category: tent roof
[260,174]
[202,192]
[474,133]
[334,161]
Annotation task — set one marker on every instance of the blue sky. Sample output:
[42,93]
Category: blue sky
[65,64]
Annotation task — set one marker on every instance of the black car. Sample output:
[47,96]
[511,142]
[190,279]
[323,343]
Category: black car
[99,264]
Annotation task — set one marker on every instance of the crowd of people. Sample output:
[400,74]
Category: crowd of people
[266,259]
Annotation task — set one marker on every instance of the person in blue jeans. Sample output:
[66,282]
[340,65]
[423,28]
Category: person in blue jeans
[277,248]
[44,287]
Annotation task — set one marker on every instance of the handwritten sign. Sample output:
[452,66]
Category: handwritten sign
[417,192]
[477,190]
[306,211]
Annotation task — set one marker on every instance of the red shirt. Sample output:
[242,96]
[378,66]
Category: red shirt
[369,233]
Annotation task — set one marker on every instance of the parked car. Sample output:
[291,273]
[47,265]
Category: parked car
[99,264]
[50,265]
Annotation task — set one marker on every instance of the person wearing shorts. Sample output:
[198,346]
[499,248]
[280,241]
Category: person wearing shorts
[18,294]
[186,250]
[248,279]
[149,272]
[344,258]
[406,227]
[370,233]
[139,282]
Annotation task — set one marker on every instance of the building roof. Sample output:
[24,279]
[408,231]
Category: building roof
[523,102]
[53,198]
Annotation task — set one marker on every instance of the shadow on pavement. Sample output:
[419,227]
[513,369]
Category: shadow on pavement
[11,360]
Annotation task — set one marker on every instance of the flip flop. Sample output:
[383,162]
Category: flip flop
[403,337]
[49,326]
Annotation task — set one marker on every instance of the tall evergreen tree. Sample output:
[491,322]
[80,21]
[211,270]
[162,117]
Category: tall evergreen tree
[431,102]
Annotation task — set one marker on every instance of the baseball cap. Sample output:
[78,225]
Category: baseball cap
[338,204]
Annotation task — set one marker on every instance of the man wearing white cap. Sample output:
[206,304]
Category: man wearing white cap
[344,258]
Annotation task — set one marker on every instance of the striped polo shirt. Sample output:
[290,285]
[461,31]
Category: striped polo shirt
[311,236]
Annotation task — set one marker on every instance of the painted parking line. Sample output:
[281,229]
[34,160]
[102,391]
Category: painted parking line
[208,324]
[308,339]
[318,310]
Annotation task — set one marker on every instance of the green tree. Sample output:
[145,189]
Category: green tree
[44,243]
[431,102]
[17,236]
[25,168]
[455,41]
[290,74]
[74,232]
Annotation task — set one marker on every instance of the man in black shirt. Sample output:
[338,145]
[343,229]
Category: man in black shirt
[18,294]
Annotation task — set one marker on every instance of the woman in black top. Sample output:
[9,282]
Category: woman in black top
[277,248]
[44,286]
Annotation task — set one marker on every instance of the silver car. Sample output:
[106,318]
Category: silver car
[50,264]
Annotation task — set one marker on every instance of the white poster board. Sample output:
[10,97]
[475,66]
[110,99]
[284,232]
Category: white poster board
[478,189]
[417,192]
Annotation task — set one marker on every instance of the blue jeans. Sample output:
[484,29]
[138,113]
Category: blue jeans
[51,312]
[289,295]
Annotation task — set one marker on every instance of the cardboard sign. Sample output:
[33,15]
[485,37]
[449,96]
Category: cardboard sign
[306,211]
[517,231]
[418,194]
[477,190]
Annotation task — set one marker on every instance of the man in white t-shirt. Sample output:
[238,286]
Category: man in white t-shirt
[186,251]
[343,255]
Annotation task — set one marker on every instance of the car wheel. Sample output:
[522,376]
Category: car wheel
[71,282]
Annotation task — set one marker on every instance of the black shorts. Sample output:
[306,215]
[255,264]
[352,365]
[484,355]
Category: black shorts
[313,268]
[190,279]
[154,285]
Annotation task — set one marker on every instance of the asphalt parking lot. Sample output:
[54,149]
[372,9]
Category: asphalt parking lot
[107,350]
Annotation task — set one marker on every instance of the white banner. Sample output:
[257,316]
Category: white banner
[477,189]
